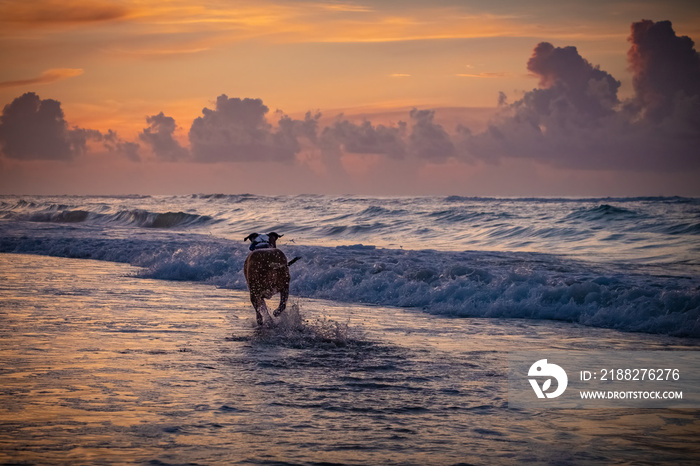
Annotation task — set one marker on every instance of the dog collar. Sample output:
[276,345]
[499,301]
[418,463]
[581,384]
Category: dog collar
[260,245]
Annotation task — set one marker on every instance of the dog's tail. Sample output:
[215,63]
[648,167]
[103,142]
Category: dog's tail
[293,261]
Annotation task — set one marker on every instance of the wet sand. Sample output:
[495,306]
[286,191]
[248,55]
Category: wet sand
[100,367]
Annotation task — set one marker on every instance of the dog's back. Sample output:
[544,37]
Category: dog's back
[266,272]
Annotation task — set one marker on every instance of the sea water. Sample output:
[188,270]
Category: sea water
[394,349]
[99,366]
[628,264]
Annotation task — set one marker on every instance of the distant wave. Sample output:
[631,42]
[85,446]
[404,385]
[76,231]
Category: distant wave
[228,198]
[650,229]
[119,196]
[665,199]
[63,216]
[147,219]
[457,215]
[379,211]
[602,211]
[682,229]
[140,218]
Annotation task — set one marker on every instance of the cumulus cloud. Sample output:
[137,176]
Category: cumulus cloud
[666,67]
[424,139]
[291,131]
[116,145]
[159,135]
[364,138]
[35,129]
[574,119]
[572,82]
[32,128]
[237,131]
[554,122]
[429,140]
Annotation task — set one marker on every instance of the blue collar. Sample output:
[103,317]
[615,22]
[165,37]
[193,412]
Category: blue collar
[260,245]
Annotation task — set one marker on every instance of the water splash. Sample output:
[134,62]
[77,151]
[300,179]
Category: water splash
[292,329]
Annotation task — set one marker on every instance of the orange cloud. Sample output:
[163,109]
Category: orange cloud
[421,24]
[48,76]
[288,22]
[305,21]
[346,7]
[484,75]
[164,52]
[47,12]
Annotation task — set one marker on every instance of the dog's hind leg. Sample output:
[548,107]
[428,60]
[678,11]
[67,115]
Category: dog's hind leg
[260,309]
[284,296]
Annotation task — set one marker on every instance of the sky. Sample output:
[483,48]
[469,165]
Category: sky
[479,98]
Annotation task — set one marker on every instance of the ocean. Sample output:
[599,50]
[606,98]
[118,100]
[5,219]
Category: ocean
[626,264]
[128,337]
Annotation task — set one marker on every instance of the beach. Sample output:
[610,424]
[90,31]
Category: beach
[483,219]
[100,366]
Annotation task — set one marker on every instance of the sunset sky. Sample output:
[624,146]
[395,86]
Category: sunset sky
[483,98]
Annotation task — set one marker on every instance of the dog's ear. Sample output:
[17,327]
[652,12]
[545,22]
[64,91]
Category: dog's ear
[273,238]
[250,237]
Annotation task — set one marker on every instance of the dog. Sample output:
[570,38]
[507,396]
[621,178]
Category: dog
[266,271]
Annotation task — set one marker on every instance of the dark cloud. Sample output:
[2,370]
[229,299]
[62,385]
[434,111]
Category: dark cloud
[572,81]
[666,67]
[364,138]
[429,140]
[237,131]
[554,122]
[290,131]
[116,145]
[159,135]
[574,119]
[35,129]
[424,140]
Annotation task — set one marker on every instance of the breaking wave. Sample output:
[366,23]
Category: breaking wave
[158,220]
[459,284]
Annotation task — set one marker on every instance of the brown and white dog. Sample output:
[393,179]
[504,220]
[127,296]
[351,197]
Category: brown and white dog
[267,272]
